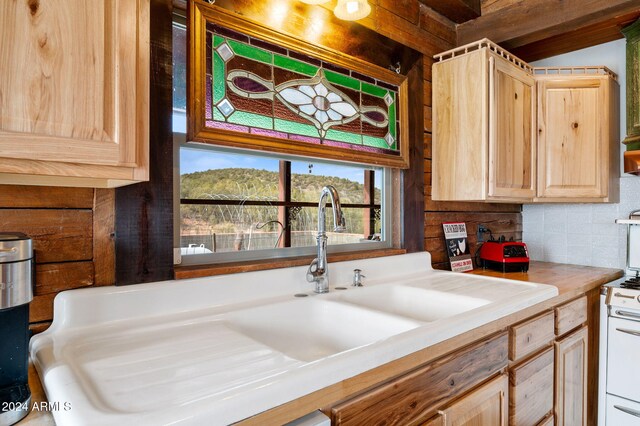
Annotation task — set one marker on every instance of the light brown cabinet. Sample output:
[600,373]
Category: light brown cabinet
[531,390]
[415,397]
[486,405]
[571,379]
[74,97]
[483,115]
[577,118]
[504,131]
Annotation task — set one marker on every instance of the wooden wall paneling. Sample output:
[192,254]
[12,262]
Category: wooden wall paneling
[413,178]
[59,235]
[41,308]
[457,10]
[144,219]
[56,277]
[500,223]
[20,196]
[104,249]
[526,22]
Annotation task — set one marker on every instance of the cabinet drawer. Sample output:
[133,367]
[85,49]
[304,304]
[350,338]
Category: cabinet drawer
[529,336]
[415,397]
[530,391]
[571,315]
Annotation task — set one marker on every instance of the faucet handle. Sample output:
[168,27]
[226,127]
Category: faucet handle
[312,271]
[357,278]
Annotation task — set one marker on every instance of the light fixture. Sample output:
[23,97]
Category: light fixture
[314,1]
[352,10]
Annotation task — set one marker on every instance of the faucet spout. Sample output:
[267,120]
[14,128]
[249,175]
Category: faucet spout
[318,272]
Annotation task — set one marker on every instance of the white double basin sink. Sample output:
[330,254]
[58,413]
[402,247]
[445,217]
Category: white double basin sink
[219,350]
[321,326]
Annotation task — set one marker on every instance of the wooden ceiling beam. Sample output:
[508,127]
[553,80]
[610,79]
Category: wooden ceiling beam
[457,10]
[577,39]
[531,21]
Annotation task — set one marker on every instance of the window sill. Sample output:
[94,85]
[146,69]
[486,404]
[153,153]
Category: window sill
[198,271]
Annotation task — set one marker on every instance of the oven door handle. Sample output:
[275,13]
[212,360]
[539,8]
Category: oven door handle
[632,332]
[627,314]
[627,410]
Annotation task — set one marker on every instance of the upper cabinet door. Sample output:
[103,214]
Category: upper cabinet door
[573,140]
[512,155]
[74,88]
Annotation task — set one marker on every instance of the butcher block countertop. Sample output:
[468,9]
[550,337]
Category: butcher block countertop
[571,281]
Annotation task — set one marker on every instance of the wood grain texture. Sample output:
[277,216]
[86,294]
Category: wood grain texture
[198,271]
[593,360]
[41,308]
[571,315]
[571,363]
[458,11]
[531,335]
[104,250]
[573,138]
[413,178]
[417,395]
[56,277]
[512,134]
[487,405]
[549,421]
[460,120]
[530,395]
[58,235]
[83,110]
[576,39]
[144,220]
[20,196]
[525,22]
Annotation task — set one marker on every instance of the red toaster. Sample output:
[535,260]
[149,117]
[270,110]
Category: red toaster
[504,256]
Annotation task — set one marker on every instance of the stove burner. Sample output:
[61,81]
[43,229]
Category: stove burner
[633,283]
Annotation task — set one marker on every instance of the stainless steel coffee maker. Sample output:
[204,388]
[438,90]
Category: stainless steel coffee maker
[16,291]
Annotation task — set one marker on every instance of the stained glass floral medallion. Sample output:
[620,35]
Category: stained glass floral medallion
[256,87]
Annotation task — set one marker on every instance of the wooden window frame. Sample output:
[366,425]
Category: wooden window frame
[197,131]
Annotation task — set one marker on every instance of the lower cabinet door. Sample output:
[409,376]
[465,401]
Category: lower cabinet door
[488,405]
[531,390]
[571,379]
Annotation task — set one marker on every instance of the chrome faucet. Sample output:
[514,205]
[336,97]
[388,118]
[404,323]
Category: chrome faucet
[318,271]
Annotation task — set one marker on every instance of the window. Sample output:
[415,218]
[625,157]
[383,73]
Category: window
[242,205]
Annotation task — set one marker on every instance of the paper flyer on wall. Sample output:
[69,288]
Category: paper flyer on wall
[455,236]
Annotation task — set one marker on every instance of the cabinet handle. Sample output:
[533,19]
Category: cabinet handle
[627,314]
[631,332]
[635,413]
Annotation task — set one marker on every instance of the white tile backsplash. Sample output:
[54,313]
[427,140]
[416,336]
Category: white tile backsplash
[581,234]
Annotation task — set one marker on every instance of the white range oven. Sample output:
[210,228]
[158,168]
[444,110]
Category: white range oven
[619,380]
[620,356]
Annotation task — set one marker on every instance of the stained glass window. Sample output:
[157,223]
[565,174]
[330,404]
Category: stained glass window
[256,87]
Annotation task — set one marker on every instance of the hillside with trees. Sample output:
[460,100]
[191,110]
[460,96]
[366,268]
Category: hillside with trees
[262,185]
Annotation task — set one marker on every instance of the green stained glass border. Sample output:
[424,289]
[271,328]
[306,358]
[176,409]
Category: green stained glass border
[307,70]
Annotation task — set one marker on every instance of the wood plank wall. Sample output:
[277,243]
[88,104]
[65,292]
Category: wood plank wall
[72,231]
